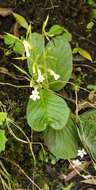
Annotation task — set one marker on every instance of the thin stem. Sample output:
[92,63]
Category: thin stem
[15,86]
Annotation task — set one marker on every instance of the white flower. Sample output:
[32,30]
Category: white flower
[40,76]
[56,76]
[81,153]
[35,95]
[27,47]
[76,162]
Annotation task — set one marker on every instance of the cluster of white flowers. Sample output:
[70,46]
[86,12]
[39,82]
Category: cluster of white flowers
[27,47]
[35,95]
[81,153]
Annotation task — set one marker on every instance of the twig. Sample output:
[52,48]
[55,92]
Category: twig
[15,86]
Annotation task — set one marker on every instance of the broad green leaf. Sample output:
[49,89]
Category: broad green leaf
[62,143]
[37,43]
[21,20]
[3,116]
[59,59]
[88,131]
[83,53]
[51,110]
[55,30]
[3,140]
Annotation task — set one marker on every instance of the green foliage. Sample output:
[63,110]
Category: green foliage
[14,43]
[57,55]
[92,87]
[3,116]
[49,111]
[3,140]
[59,59]
[55,30]
[91,2]
[83,53]
[36,41]
[21,20]
[68,187]
[62,143]
[88,131]
[49,61]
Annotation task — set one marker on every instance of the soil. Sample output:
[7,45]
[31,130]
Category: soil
[74,16]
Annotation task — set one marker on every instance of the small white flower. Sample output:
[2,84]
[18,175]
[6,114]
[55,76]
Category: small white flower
[35,95]
[56,76]
[27,47]
[40,76]
[76,162]
[81,153]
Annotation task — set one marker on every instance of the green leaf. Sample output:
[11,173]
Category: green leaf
[62,143]
[68,187]
[9,39]
[21,20]
[88,131]
[83,53]
[91,2]
[58,30]
[18,47]
[3,140]
[59,59]
[92,87]
[94,13]
[3,116]
[14,42]
[37,43]
[67,36]
[51,110]
[55,30]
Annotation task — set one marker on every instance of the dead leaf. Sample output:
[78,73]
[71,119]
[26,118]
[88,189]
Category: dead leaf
[74,171]
[5,11]
[3,70]
[90,181]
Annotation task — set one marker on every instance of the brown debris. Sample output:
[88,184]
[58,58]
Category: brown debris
[5,11]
